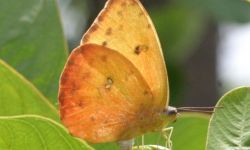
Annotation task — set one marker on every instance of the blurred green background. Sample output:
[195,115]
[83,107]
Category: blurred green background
[205,43]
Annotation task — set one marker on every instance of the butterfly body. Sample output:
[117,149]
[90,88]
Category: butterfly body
[114,85]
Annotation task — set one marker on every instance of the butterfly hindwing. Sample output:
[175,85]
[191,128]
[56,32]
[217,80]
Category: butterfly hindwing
[102,96]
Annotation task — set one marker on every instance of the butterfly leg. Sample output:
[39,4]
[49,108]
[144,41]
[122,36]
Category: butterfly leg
[137,142]
[167,132]
[142,141]
[126,145]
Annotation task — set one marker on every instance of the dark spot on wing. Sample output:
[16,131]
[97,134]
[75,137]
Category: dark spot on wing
[145,92]
[109,83]
[149,26]
[139,48]
[109,31]
[92,118]
[141,118]
[81,103]
[100,18]
[148,93]
[140,14]
[104,43]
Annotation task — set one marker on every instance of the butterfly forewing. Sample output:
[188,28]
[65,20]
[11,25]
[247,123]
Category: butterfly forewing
[124,26]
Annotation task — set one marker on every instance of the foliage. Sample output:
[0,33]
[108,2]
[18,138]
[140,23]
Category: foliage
[19,96]
[25,114]
[32,55]
[31,40]
[229,126]
[35,132]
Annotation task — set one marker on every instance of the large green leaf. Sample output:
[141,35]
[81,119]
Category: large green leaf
[30,132]
[31,40]
[229,126]
[18,96]
[189,129]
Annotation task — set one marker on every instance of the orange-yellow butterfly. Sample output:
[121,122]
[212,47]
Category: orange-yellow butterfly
[114,86]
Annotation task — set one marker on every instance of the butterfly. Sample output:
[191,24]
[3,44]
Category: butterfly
[114,85]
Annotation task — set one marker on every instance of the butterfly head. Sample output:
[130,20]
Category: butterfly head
[171,111]
[170,114]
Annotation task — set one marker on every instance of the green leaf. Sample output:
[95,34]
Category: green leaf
[18,96]
[31,132]
[229,126]
[31,40]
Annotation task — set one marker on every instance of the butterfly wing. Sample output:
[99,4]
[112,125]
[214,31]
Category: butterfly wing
[102,96]
[124,26]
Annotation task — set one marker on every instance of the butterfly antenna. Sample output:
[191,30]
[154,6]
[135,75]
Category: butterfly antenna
[209,110]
